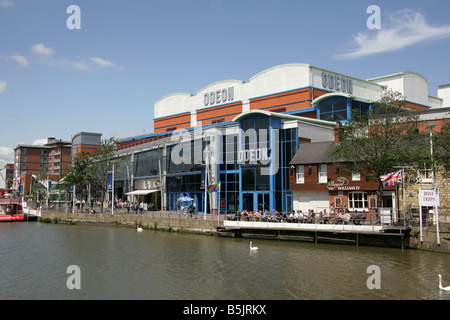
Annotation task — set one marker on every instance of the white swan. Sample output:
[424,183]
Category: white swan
[440,285]
[139,229]
[252,248]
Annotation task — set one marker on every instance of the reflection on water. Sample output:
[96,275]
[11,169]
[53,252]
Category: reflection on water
[120,263]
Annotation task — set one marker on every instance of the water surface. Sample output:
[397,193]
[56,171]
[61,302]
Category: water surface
[120,263]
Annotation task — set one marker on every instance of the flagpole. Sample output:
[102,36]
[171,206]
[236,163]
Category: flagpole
[218,207]
[404,187]
[206,183]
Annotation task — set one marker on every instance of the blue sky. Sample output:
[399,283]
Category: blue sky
[105,77]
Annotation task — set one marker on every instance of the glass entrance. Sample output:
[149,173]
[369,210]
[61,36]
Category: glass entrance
[288,202]
[254,201]
[247,201]
[263,202]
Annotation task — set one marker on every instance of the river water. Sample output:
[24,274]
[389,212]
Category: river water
[121,263]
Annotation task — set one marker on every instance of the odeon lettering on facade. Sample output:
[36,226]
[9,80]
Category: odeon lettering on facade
[263,139]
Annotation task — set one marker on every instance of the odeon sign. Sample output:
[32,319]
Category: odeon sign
[253,156]
[218,96]
[337,83]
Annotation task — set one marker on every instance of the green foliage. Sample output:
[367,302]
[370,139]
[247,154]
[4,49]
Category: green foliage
[92,168]
[384,138]
[441,152]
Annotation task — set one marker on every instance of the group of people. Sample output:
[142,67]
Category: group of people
[137,207]
[341,216]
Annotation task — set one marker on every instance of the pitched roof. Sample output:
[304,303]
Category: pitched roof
[309,153]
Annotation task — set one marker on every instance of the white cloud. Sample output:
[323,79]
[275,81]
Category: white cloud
[39,142]
[7,3]
[79,65]
[402,29]
[6,156]
[42,51]
[20,60]
[102,62]
[3,85]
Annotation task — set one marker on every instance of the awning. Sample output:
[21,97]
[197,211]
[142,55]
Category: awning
[141,192]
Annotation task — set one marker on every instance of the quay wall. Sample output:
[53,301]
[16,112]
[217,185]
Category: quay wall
[430,238]
[153,220]
[175,222]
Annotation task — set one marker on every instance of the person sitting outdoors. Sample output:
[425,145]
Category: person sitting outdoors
[301,216]
[326,216]
[346,217]
[265,215]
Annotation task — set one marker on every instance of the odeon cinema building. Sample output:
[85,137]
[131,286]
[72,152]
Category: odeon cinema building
[244,134]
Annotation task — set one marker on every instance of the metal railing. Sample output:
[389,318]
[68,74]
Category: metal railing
[343,219]
[407,218]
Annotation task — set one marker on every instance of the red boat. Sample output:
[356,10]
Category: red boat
[11,210]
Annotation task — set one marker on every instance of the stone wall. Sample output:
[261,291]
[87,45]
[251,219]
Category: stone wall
[412,191]
[159,221]
[429,237]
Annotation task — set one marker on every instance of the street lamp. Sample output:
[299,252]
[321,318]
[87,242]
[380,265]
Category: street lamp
[431,126]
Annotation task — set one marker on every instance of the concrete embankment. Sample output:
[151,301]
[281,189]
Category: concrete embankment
[429,238]
[151,220]
[175,222]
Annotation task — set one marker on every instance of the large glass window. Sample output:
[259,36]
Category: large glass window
[357,200]
[147,163]
[196,152]
[333,109]
[360,107]
[253,180]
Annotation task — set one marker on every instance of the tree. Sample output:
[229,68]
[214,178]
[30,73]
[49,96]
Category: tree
[102,163]
[441,152]
[38,190]
[380,140]
[93,168]
[78,175]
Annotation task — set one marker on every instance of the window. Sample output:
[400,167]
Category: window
[333,110]
[356,176]
[425,175]
[357,200]
[323,173]
[220,120]
[300,174]
[360,107]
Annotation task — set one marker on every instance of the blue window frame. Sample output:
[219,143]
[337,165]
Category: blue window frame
[333,109]
[341,108]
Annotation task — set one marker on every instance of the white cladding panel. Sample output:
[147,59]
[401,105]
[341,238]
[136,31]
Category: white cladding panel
[316,200]
[444,94]
[294,76]
[279,79]
[416,89]
[218,93]
[172,104]
[341,83]
[410,84]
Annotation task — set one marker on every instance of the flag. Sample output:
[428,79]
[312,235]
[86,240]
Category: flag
[109,181]
[392,178]
[214,187]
